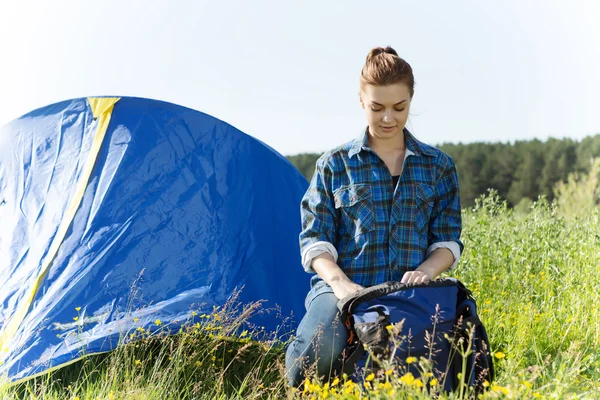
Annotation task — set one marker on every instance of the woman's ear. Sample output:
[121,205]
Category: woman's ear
[362,102]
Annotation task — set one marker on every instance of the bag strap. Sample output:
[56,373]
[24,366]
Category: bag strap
[355,353]
[467,309]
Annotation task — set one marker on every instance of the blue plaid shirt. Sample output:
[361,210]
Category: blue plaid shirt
[380,231]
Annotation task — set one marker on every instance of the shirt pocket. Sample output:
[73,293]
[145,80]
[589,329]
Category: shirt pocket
[356,205]
[424,205]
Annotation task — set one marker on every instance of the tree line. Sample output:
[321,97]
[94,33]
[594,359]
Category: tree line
[519,171]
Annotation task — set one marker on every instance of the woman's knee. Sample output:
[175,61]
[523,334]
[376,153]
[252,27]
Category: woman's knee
[320,339]
[322,322]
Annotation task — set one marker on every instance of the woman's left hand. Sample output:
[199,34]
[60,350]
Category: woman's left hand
[415,277]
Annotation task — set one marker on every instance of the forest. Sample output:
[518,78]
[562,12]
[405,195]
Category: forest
[519,172]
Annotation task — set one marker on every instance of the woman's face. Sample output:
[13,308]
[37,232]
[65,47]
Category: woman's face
[386,108]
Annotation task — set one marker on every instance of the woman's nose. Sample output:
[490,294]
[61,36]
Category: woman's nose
[387,116]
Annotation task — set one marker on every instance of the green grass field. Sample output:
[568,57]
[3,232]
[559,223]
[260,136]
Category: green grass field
[534,276]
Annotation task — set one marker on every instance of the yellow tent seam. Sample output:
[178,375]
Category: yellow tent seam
[102,108]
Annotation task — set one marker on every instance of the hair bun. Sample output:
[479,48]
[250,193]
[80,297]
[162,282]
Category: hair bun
[380,50]
[384,67]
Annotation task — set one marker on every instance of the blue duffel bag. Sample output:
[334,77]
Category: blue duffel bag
[439,328]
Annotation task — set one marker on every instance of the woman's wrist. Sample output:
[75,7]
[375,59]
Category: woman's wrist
[328,270]
[439,261]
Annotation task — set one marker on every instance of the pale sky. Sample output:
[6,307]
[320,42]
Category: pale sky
[287,72]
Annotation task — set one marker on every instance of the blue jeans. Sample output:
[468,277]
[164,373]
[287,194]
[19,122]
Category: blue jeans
[320,337]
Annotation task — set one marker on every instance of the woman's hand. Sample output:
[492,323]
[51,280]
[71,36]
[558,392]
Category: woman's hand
[437,262]
[415,277]
[332,274]
[344,287]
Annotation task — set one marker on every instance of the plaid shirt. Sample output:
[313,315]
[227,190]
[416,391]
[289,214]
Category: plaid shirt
[380,231]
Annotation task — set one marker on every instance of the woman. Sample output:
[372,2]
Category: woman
[382,207]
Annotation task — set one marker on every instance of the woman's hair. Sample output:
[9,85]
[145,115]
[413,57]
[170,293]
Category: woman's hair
[383,67]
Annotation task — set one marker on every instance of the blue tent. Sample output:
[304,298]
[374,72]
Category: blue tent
[117,212]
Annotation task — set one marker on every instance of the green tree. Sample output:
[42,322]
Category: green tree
[305,162]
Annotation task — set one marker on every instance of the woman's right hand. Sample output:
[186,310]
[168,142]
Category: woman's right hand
[344,287]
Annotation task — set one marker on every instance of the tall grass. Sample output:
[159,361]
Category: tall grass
[536,279]
[211,357]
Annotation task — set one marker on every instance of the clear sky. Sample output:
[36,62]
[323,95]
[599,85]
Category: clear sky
[287,72]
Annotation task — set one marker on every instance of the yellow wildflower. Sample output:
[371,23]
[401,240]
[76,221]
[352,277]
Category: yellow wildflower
[75,318]
[370,377]
[433,382]
[158,322]
[136,319]
[77,308]
[411,360]
[306,387]
[137,362]
[111,395]
[499,389]
[389,372]
[499,355]
[194,313]
[407,379]
[536,395]
[314,387]
[335,382]
[244,333]
[527,384]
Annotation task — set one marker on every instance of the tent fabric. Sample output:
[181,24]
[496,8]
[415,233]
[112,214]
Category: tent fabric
[118,212]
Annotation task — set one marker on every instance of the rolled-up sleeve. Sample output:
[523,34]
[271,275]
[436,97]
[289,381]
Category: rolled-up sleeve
[446,221]
[319,218]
